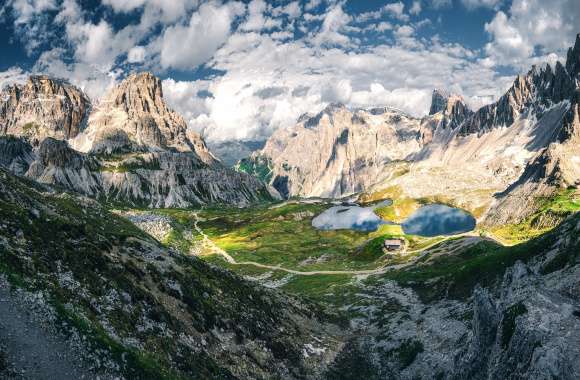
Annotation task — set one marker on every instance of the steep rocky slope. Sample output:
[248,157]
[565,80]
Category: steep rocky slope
[134,149]
[43,107]
[144,311]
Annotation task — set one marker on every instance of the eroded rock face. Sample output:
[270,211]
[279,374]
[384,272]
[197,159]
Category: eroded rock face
[534,92]
[43,107]
[337,151]
[135,117]
[155,179]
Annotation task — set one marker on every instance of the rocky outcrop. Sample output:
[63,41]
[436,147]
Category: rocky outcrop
[451,108]
[532,93]
[156,179]
[554,168]
[43,107]
[15,154]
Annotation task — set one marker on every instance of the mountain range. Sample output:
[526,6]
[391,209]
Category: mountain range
[128,250]
[520,147]
[130,147]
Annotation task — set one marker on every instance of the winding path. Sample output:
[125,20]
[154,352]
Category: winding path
[215,249]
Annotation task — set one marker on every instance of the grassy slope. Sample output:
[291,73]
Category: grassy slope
[550,212]
[127,281]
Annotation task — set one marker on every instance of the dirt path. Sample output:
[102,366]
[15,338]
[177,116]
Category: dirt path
[215,249]
[31,350]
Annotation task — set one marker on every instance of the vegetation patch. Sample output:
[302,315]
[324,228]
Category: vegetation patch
[400,210]
[550,212]
[259,167]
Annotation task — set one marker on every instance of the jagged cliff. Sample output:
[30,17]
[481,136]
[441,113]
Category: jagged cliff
[134,117]
[337,151]
[132,149]
[43,107]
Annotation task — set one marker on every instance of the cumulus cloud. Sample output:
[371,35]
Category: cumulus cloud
[439,4]
[94,81]
[11,76]
[529,27]
[136,54]
[473,4]
[334,23]
[187,46]
[415,8]
[31,21]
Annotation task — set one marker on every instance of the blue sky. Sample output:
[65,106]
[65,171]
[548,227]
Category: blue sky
[239,70]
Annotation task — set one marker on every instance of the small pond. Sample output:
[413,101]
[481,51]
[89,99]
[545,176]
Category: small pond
[434,220]
[350,216]
[429,220]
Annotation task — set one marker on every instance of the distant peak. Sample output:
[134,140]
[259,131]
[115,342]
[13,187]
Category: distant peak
[573,58]
[333,107]
[441,100]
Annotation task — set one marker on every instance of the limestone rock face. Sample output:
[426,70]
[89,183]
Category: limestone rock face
[337,151]
[555,167]
[451,108]
[540,88]
[43,107]
[135,117]
[156,179]
[15,154]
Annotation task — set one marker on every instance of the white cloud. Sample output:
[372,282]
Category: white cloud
[404,31]
[292,10]
[26,10]
[31,23]
[337,92]
[136,54]
[94,81]
[311,4]
[11,76]
[396,9]
[532,28]
[335,21]
[415,8]
[473,4]
[438,4]
[383,25]
[256,19]
[124,5]
[188,46]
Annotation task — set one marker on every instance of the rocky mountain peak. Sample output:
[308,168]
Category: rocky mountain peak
[139,93]
[573,60]
[43,107]
[451,106]
[134,115]
[438,101]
